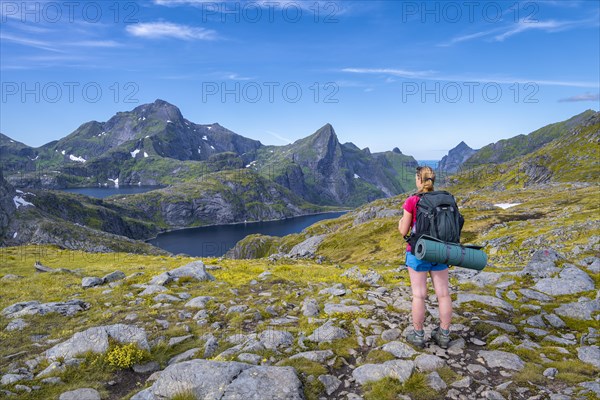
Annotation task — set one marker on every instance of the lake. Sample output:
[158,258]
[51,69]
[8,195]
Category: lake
[105,191]
[214,241]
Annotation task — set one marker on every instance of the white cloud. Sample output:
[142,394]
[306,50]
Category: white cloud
[581,97]
[156,30]
[432,76]
[403,73]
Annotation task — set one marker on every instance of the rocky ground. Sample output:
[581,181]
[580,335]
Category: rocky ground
[282,329]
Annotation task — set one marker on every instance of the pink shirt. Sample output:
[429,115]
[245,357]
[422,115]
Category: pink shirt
[410,205]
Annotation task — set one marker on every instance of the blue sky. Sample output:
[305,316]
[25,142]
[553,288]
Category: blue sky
[417,75]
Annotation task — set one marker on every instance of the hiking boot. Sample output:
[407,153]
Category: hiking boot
[440,337]
[416,339]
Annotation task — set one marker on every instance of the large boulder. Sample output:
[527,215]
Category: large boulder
[397,369]
[542,264]
[66,308]
[206,379]
[96,340]
[571,280]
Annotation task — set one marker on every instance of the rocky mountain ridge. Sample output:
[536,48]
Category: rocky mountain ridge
[155,144]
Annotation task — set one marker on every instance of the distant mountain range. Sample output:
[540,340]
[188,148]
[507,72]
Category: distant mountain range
[464,157]
[154,144]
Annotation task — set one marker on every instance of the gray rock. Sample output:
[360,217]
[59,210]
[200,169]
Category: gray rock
[533,295]
[81,394]
[54,368]
[237,309]
[397,369]
[259,383]
[273,339]
[429,362]
[591,387]
[542,264]
[166,298]
[535,321]
[53,380]
[502,359]
[330,382]
[590,355]
[500,340]
[91,281]
[502,325]
[16,325]
[318,356]
[310,307]
[370,278]
[477,369]
[485,278]
[435,382]
[592,264]
[336,290]
[249,358]
[185,356]
[114,276]
[307,248]
[153,289]
[554,320]
[194,270]
[9,379]
[571,280]
[66,308]
[487,300]
[198,302]
[96,340]
[550,372]
[331,308]
[390,334]
[145,394]
[207,379]
[492,395]
[146,368]
[161,280]
[179,339]
[556,339]
[582,310]
[399,349]
[210,347]
[462,383]
[327,333]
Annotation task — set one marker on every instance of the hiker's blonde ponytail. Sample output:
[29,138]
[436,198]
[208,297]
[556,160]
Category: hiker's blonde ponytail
[427,177]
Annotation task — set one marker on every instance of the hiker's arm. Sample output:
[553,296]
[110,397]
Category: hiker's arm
[405,223]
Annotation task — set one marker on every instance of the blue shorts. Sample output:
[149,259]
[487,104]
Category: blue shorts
[422,265]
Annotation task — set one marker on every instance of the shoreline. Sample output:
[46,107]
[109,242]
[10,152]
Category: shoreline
[243,223]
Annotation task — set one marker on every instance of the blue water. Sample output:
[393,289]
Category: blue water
[102,192]
[214,241]
[430,163]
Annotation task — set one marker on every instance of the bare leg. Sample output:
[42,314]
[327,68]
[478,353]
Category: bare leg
[418,284]
[440,284]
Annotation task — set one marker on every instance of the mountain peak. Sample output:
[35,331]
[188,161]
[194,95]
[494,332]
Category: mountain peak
[160,109]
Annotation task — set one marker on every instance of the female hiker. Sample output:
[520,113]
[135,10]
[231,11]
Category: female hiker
[418,269]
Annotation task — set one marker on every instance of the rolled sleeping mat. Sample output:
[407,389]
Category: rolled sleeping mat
[471,257]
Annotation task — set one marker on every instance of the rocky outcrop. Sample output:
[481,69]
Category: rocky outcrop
[207,379]
[453,162]
[7,205]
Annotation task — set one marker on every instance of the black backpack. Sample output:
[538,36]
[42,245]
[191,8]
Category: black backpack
[437,217]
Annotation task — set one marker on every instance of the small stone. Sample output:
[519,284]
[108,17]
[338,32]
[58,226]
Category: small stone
[176,340]
[500,340]
[477,369]
[91,281]
[502,359]
[81,394]
[390,334]
[399,349]
[147,368]
[463,383]
[554,320]
[435,382]
[17,324]
[249,358]
[113,277]
[330,382]
[476,341]
[550,372]
[429,362]
[492,395]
